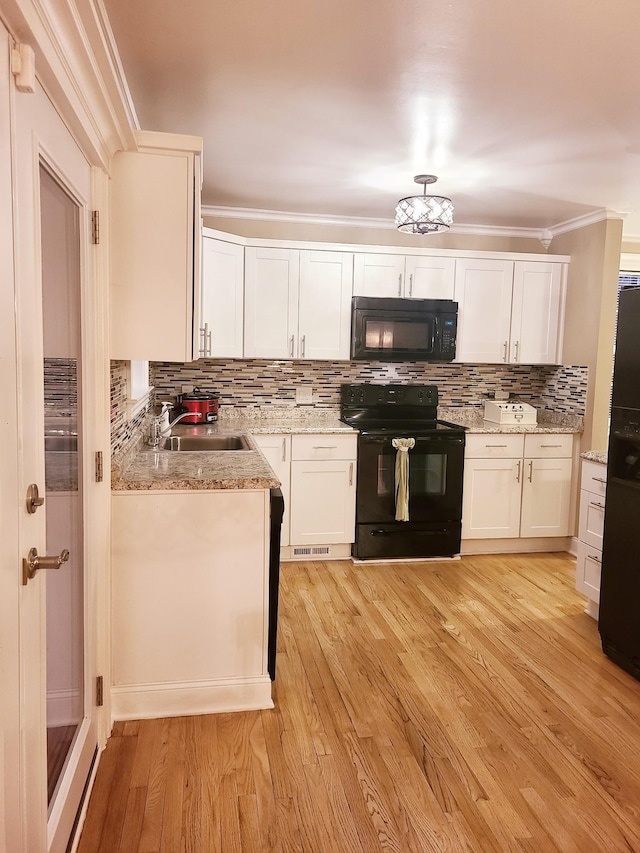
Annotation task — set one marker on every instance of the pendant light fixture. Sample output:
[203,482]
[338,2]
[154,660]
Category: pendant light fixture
[424,214]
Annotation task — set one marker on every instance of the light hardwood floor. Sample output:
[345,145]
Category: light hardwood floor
[459,706]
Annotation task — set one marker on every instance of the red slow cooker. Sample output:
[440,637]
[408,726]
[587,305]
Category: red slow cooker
[202,405]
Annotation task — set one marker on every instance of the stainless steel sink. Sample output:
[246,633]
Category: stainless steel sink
[206,442]
[61,443]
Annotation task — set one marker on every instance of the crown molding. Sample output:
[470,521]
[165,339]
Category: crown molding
[219,211]
[583,221]
[77,64]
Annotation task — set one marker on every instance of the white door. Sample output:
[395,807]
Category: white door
[546,496]
[323,502]
[277,449]
[378,275]
[271,303]
[535,314]
[430,278]
[491,498]
[324,312]
[55,299]
[222,299]
[483,292]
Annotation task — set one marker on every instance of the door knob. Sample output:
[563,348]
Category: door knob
[32,563]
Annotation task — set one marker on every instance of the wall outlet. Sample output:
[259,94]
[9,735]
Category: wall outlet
[304,394]
[186,389]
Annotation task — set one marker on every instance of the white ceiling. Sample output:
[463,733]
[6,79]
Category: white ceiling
[529,112]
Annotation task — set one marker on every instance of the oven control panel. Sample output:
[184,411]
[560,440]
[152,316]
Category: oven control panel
[388,395]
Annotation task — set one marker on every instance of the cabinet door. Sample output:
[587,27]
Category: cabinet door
[277,449]
[483,292]
[378,275]
[154,257]
[546,495]
[491,498]
[271,303]
[324,312]
[588,571]
[222,299]
[323,502]
[535,312]
[429,278]
[591,524]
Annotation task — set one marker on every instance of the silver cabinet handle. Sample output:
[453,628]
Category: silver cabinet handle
[324,446]
[599,480]
[516,347]
[291,342]
[400,285]
[208,342]
[597,505]
[205,334]
[506,345]
[302,345]
[411,285]
[530,472]
[518,474]
[550,445]
[496,445]
[284,449]
[351,473]
[32,563]
[595,559]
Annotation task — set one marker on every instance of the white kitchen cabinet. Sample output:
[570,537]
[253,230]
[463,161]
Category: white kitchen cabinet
[222,313]
[412,276]
[517,486]
[277,449]
[297,303]
[509,312]
[155,249]
[323,489]
[190,601]
[590,532]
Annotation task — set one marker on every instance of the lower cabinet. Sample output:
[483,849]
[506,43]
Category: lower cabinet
[516,485]
[190,580]
[319,488]
[590,532]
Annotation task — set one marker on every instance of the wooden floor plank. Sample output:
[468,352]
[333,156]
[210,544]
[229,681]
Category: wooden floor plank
[460,706]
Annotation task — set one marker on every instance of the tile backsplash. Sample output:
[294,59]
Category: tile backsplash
[254,382]
[257,383]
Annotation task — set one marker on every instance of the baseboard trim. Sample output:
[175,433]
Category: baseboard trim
[179,699]
[516,546]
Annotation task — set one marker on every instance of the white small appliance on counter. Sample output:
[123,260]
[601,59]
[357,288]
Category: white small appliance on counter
[509,413]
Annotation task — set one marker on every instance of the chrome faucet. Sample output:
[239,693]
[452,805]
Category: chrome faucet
[157,431]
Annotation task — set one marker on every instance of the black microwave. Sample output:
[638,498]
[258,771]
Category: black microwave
[403,329]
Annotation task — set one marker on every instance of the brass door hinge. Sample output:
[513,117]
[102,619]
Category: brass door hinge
[95,227]
[99,467]
[99,691]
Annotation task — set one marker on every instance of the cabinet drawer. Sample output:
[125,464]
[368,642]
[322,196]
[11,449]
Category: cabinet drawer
[323,446]
[494,446]
[588,571]
[591,524]
[594,477]
[549,445]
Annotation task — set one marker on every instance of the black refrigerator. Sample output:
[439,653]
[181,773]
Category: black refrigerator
[619,621]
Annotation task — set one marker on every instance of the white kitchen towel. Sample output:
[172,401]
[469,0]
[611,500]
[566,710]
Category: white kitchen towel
[402,446]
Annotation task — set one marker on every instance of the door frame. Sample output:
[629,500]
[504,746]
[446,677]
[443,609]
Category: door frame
[23,807]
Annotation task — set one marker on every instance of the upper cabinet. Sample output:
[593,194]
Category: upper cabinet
[509,312]
[155,249]
[297,303]
[411,276]
[221,317]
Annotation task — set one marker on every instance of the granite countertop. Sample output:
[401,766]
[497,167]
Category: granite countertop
[144,468]
[472,419]
[595,456]
[147,468]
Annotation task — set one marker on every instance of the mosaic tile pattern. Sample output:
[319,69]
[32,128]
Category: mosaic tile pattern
[123,431]
[60,387]
[259,383]
[252,384]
